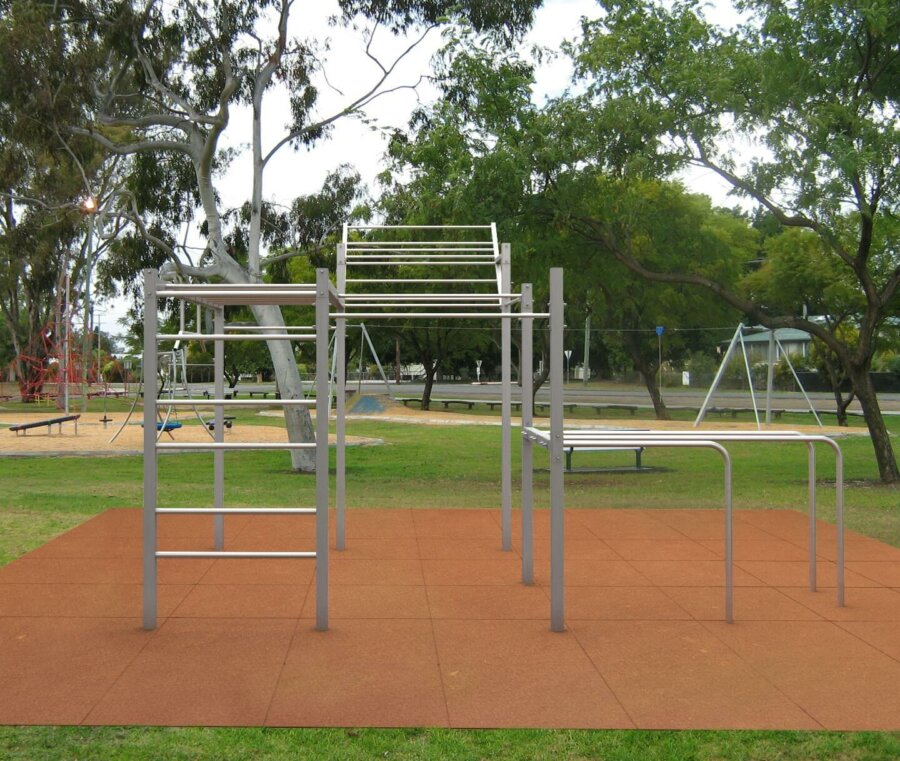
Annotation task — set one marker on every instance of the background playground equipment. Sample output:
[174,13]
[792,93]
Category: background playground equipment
[172,369]
[738,340]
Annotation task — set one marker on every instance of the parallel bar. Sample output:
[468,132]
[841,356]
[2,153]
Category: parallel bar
[322,307]
[150,465]
[526,370]
[557,494]
[231,554]
[214,445]
[236,510]
[219,429]
[505,405]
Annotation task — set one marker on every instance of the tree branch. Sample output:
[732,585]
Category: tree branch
[364,99]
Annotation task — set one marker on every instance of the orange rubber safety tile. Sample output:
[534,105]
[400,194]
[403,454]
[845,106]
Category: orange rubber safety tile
[795,573]
[581,572]
[838,678]
[691,573]
[55,674]
[243,601]
[887,573]
[662,549]
[750,604]
[577,549]
[756,549]
[459,549]
[540,526]
[449,524]
[84,600]
[488,602]
[385,547]
[360,673]
[296,527]
[860,603]
[504,569]
[621,604]
[379,524]
[437,629]
[296,571]
[882,635]
[860,548]
[627,524]
[675,674]
[211,672]
[371,601]
[390,571]
[520,674]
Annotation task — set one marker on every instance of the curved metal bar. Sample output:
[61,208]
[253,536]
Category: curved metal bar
[589,437]
[556,550]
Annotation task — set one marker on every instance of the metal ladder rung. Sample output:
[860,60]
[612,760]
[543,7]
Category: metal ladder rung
[236,511]
[230,554]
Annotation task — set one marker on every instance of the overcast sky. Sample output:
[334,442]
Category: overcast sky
[350,73]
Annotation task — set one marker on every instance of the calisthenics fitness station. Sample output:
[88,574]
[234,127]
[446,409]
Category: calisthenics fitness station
[412,253]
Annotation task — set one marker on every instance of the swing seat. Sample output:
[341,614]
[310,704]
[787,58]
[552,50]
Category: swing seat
[172,425]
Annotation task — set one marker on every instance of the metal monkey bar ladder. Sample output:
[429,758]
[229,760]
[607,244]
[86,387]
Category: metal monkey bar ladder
[428,272]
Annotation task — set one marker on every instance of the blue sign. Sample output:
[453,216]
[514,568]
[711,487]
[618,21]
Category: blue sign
[660,330]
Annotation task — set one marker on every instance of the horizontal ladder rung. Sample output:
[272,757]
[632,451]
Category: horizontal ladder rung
[230,554]
[236,511]
[235,337]
[195,402]
[232,445]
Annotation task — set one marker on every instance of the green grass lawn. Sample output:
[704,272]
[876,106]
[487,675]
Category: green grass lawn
[422,467]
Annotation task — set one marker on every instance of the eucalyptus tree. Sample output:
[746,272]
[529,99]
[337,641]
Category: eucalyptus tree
[45,174]
[796,109]
[172,77]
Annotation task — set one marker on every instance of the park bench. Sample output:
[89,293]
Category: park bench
[57,421]
[733,411]
[598,408]
[638,451]
[229,420]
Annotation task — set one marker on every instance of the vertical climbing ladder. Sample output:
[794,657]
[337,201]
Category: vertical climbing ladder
[217,296]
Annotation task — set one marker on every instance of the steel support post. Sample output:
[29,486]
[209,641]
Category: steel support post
[340,382]
[219,428]
[839,517]
[811,487]
[770,376]
[729,536]
[505,400]
[557,518]
[150,470]
[526,370]
[322,317]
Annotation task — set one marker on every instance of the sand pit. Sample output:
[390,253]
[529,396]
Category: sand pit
[94,439]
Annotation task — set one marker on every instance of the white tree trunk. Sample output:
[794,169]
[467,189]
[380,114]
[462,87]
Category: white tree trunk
[299,422]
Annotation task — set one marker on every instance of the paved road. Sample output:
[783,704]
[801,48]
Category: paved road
[633,395]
